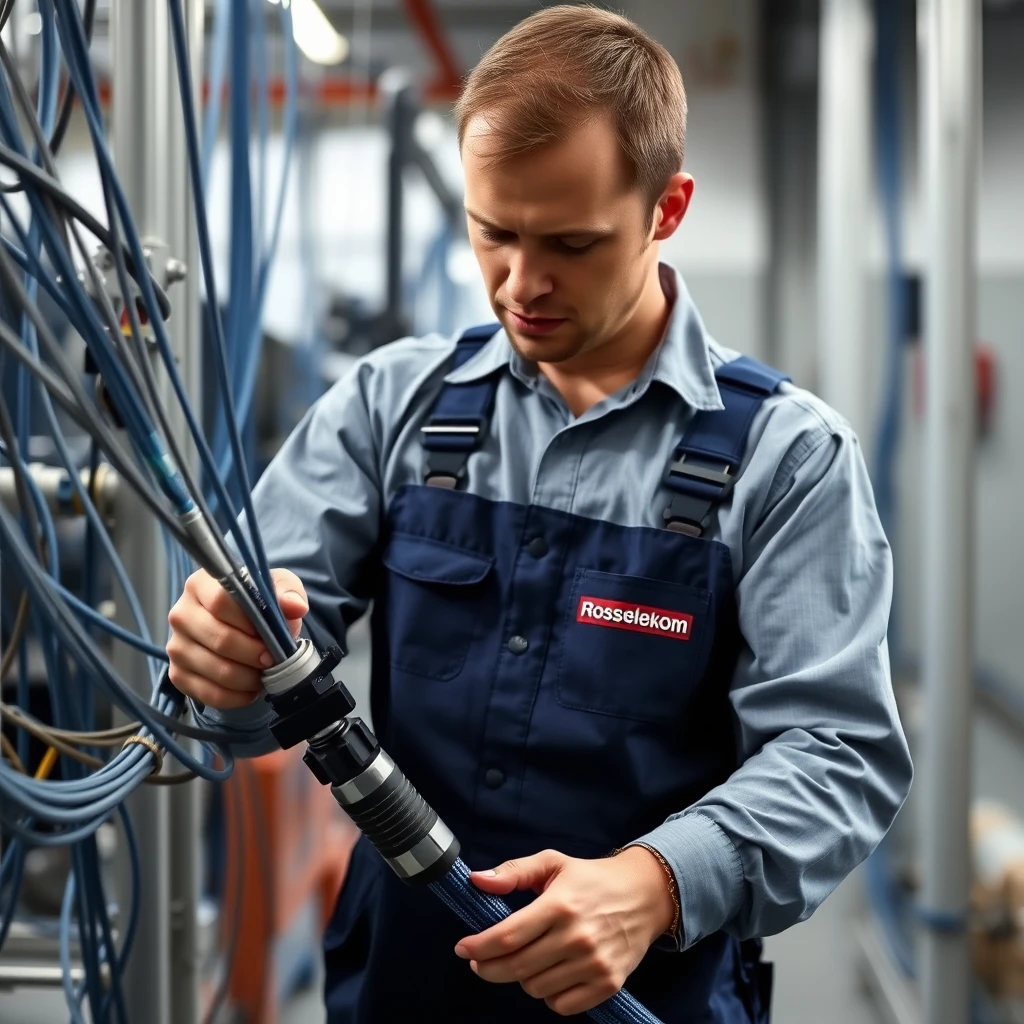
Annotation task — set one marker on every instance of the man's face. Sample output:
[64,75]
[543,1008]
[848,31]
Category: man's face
[562,238]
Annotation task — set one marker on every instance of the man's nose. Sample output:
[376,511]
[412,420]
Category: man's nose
[527,281]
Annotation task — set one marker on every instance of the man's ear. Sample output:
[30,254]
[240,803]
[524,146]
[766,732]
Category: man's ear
[672,206]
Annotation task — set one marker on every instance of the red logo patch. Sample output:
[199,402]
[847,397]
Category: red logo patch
[641,618]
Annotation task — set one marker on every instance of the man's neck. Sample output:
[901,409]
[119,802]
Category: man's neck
[594,375]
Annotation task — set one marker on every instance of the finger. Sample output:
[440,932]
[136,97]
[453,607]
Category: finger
[558,978]
[291,596]
[532,960]
[218,602]
[508,936]
[208,693]
[199,626]
[222,672]
[580,998]
[533,873]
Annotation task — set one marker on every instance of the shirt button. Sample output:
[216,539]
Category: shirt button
[518,644]
[494,777]
[538,547]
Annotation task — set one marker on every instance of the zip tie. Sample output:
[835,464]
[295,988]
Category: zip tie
[151,746]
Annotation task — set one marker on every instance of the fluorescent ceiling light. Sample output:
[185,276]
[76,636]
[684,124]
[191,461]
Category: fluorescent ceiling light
[315,36]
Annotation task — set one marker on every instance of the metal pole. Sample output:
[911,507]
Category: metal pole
[844,176]
[397,91]
[949,37]
[185,324]
[149,152]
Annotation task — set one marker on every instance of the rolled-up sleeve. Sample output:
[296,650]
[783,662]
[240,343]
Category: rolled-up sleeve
[824,762]
[318,507]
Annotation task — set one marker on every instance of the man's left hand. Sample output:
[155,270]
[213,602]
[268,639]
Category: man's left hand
[576,944]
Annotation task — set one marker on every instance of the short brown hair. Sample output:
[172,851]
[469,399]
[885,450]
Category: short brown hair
[559,67]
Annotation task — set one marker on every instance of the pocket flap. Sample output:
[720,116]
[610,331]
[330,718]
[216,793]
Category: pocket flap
[431,561]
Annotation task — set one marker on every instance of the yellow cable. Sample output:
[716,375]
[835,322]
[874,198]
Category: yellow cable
[47,763]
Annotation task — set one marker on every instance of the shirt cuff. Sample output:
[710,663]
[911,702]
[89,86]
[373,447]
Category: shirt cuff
[708,873]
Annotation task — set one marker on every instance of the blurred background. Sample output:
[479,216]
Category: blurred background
[816,223]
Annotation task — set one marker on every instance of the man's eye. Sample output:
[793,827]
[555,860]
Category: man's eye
[575,249]
[494,236]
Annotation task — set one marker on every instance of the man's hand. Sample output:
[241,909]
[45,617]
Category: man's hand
[592,923]
[216,656]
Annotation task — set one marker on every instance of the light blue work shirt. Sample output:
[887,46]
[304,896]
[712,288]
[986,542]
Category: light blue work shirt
[825,765]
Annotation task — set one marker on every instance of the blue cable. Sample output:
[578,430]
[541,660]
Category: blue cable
[480,910]
[259,58]
[76,53]
[220,356]
[218,62]
[290,126]
[64,948]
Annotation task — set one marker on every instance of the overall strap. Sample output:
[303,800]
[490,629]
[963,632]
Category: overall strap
[459,419]
[706,461]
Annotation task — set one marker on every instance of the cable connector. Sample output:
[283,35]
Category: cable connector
[304,694]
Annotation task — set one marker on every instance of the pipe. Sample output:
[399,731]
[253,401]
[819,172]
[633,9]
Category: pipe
[36,976]
[844,174]
[55,487]
[949,91]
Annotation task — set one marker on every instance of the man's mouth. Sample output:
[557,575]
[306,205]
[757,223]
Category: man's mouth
[535,324]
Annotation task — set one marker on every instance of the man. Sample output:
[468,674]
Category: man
[630,590]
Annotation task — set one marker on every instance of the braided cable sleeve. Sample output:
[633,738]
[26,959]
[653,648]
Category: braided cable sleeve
[480,910]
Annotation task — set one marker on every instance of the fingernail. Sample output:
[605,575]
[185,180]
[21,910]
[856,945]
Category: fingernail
[473,966]
[460,950]
[295,594]
[266,660]
[491,873]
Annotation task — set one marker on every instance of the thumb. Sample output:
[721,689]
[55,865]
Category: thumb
[534,873]
[291,596]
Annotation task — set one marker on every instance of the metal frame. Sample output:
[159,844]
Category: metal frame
[402,110]
[844,179]
[949,34]
[149,151]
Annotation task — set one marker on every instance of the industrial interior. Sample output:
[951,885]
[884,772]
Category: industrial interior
[215,213]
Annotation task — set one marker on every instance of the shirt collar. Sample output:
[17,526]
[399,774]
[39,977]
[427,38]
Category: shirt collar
[682,361]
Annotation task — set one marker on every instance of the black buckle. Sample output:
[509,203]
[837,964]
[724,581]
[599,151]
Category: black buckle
[687,513]
[445,469]
[682,467]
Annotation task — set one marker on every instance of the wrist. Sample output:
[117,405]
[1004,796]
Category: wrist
[658,883]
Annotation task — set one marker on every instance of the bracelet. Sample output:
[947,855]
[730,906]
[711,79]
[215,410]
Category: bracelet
[673,889]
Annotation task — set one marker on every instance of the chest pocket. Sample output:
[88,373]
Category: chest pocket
[435,593]
[632,647]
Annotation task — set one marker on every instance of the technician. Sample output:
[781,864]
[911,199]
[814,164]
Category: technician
[630,591]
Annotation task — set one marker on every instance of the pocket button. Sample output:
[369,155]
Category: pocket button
[494,777]
[538,547]
[518,644]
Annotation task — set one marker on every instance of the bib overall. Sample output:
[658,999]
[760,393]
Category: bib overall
[547,681]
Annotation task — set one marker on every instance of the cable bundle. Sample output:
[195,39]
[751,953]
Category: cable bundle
[118,310]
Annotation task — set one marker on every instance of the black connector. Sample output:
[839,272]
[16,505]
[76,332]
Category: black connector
[301,711]
[342,753]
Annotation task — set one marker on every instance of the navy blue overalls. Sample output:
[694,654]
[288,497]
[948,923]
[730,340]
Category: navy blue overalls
[547,681]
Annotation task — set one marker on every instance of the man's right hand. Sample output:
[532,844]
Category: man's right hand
[216,655]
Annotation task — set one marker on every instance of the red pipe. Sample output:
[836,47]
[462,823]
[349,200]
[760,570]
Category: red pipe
[424,17]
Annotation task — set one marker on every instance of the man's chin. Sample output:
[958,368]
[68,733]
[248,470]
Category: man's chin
[543,349]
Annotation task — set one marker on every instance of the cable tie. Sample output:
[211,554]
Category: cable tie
[151,746]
